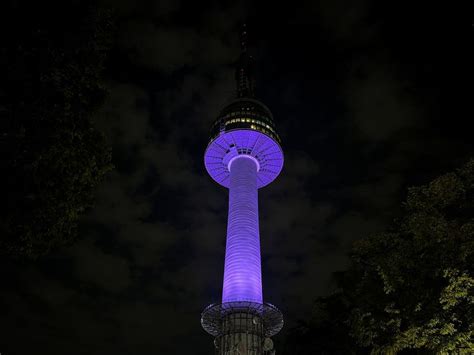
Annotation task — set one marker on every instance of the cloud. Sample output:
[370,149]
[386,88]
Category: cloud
[351,227]
[168,49]
[380,102]
[346,23]
[124,118]
[152,250]
[109,272]
[163,8]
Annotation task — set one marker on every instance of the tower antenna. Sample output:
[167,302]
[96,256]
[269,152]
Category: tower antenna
[243,38]
[245,68]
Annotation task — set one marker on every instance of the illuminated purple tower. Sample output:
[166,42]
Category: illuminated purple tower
[244,154]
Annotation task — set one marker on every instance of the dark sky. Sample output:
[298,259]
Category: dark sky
[368,99]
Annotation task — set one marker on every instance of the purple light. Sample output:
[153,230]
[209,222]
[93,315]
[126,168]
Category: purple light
[232,143]
[242,272]
[243,160]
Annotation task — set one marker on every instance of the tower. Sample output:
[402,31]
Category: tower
[244,155]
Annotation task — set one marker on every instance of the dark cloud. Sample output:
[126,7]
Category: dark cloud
[107,271]
[355,128]
[380,102]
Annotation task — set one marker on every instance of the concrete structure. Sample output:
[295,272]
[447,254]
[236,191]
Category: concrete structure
[244,154]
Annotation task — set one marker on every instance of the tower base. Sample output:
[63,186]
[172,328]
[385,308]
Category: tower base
[242,328]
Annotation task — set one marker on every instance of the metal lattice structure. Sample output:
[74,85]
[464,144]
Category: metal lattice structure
[242,327]
[270,318]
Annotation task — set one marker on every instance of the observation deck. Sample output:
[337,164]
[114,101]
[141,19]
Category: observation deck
[245,126]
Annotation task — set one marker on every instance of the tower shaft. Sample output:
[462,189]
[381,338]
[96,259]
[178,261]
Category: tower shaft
[242,271]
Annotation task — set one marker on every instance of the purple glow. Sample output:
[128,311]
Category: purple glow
[232,143]
[242,273]
[243,160]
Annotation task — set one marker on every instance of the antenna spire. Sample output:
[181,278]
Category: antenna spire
[243,38]
[244,70]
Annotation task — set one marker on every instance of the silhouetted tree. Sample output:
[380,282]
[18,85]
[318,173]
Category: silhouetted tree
[53,158]
[410,290]
[415,284]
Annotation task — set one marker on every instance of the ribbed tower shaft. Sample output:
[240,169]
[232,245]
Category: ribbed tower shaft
[242,271]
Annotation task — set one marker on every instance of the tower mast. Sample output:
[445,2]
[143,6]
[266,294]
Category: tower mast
[245,68]
[244,155]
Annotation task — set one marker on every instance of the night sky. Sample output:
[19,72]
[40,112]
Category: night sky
[368,100]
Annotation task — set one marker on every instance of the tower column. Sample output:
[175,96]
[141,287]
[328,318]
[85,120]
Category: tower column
[242,271]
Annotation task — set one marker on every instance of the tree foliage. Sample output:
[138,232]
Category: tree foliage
[52,155]
[415,284]
[410,290]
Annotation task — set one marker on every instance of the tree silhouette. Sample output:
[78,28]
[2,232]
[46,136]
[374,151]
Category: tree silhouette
[52,155]
[409,290]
